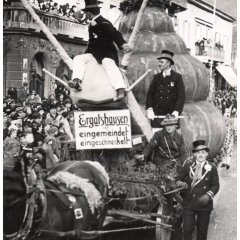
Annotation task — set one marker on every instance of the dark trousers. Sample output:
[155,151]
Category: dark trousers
[189,220]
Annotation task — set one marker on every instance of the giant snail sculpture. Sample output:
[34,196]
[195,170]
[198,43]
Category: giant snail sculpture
[149,31]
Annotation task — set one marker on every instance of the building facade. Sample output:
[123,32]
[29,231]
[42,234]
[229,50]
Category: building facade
[26,50]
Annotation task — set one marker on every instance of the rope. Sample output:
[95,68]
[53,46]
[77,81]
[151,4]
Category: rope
[164,152]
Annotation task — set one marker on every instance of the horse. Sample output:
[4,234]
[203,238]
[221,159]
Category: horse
[38,208]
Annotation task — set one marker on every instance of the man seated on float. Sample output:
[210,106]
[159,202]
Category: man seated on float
[102,36]
[167,144]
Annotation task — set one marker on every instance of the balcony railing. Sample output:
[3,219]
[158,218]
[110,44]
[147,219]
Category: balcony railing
[19,17]
[207,51]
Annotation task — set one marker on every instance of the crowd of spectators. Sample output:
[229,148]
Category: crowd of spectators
[36,122]
[226,101]
[49,6]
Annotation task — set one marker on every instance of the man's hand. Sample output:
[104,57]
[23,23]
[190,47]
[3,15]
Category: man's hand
[182,184]
[150,114]
[203,200]
[175,113]
[126,48]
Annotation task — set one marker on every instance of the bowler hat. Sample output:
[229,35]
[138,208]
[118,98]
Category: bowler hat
[65,114]
[90,4]
[199,145]
[167,55]
[36,115]
[67,101]
[15,116]
[25,84]
[169,120]
[53,130]
[53,106]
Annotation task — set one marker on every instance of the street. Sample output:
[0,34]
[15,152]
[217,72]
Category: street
[223,223]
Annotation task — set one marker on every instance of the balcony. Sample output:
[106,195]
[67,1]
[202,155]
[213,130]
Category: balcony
[18,17]
[206,52]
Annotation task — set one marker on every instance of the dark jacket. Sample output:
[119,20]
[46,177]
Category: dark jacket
[165,95]
[176,145]
[22,95]
[209,183]
[102,37]
[38,138]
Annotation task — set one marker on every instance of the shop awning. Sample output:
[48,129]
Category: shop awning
[229,75]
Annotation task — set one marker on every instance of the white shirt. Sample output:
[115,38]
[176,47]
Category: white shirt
[202,163]
[167,72]
[95,18]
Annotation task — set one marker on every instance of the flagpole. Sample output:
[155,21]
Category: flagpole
[214,15]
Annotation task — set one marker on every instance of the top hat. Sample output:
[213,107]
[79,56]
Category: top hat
[169,120]
[167,55]
[90,4]
[199,145]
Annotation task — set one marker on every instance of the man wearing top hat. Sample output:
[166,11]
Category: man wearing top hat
[167,144]
[200,179]
[102,37]
[166,94]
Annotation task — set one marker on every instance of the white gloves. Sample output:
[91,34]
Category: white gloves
[150,114]
[176,114]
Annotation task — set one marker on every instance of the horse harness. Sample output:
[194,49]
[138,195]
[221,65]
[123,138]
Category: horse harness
[36,205]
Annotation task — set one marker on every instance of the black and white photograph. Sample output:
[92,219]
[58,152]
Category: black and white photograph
[119,119]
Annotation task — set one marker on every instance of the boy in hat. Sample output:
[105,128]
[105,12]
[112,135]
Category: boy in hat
[166,94]
[200,178]
[168,145]
[102,36]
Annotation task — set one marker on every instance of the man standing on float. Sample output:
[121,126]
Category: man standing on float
[166,94]
[102,36]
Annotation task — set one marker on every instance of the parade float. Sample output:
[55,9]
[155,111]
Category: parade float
[144,193]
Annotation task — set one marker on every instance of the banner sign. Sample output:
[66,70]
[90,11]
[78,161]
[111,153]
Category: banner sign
[103,129]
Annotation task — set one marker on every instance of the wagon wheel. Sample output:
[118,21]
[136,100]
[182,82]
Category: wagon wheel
[164,209]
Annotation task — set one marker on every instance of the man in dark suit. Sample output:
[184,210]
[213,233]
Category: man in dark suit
[102,36]
[166,94]
[23,93]
[200,178]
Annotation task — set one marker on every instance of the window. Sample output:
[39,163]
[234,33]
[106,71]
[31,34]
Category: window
[203,29]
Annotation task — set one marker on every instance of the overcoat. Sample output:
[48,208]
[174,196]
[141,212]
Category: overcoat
[22,94]
[102,37]
[11,147]
[165,95]
[209,184]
